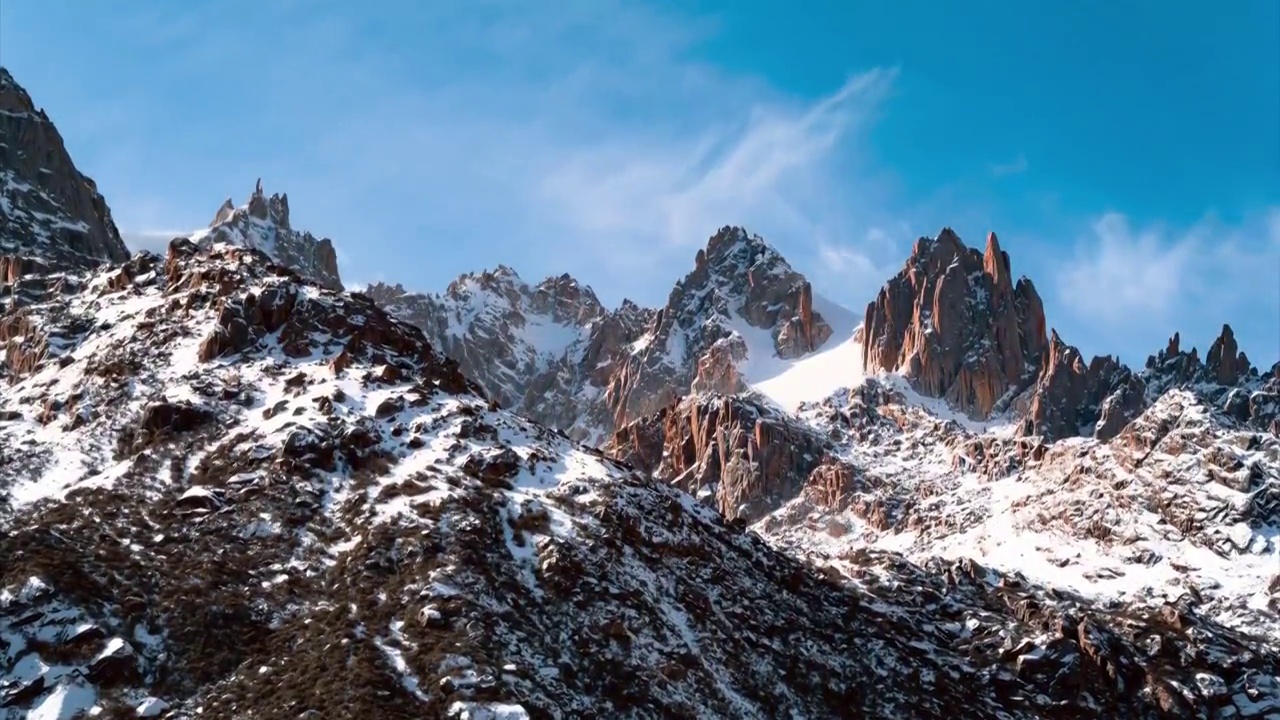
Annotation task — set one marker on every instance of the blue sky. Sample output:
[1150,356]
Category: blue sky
[1128,154]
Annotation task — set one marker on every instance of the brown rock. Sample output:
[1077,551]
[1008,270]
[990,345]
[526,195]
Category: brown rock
[1070,398]
[830,483]
[730,450]
[24,345]
[956,326]
[1225,363]
[717,372]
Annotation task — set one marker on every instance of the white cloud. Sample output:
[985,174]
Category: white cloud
[857,268]
[1015,167]
[589,140]
[1129,288]
[1121,276]
[766,171]
[157,241]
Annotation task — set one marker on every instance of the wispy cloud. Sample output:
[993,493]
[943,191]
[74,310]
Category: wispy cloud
[1015,167]
[156,241]
[1131,287]
[587,140]
[768,170]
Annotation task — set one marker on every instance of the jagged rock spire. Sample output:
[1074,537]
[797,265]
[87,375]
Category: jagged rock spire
[263,223]
[953,323]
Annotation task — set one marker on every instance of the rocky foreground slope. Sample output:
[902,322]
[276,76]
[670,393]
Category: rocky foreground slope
[228,489]
[232,493]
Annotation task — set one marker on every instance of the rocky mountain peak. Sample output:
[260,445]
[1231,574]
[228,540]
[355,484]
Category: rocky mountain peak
[546,350]
[566,300]
[1226,363]
[274,209]
[995,263]
[739,274]
[1072,398]
[263,224]
[50,213]
[742,301]
[13,97]
[955,325]
[1225,379]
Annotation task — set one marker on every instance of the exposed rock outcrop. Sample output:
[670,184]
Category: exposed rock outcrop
[741,298]
[547,351]
[1072,399]
[953,323]
[734,453]
[49,210]
[263,224]
[554,353]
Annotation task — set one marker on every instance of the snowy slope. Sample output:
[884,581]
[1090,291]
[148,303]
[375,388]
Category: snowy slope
[814,377]
[205,441]
[1184,504]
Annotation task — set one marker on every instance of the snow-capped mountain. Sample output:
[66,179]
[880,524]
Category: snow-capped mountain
[740,316]
[232,493]
[230,489]
[547,351]
[262,224]
[49,212]
[554,353]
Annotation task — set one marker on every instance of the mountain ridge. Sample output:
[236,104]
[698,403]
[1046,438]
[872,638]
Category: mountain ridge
[716,510]
[50,212]
[262,223]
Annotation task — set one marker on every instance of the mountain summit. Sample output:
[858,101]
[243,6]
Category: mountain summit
[230,489]
[262,224]
[49,211]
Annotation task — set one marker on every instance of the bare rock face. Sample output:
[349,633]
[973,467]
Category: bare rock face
[1225,364]
[554,353]
[741,298]
[262,224]
[1072,399]
[49,211]
[953,322]
[729,451]
[547,350]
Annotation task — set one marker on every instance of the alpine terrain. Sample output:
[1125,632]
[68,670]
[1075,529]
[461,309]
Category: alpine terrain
[230,488]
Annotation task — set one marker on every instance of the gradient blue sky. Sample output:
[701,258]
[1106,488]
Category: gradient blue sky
[1128,154]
